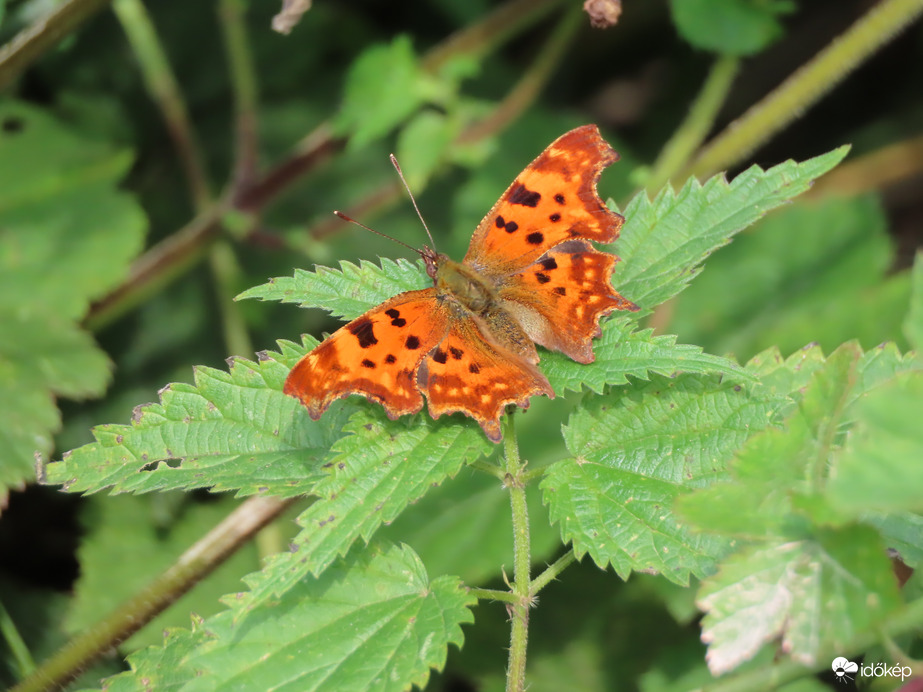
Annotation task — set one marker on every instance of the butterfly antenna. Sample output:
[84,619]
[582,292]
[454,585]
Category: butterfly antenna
[397,167]
[372,230]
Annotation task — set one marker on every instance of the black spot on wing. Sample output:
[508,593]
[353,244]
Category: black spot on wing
[549,264]
[508,226]
[364,333]
[535,238]
[474,369]
[560,290]
[413,343]
[396,318]
[440,356]
[520,194]
[559,198]
[542,278]
[390,358]
[554,218]
[457,353]
[366,363]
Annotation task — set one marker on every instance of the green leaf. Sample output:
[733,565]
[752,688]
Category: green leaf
[634,452]
[230,430]
[664,241]
[66,235]
[730,27]
[423,145]
[802,275]
[347,292]
[621,352]
[880,468]
[815,595]
[372,476]
[913,324]
[372,622]
[385,86]
[465,527]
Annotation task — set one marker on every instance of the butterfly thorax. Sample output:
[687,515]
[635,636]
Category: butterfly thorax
[463,284]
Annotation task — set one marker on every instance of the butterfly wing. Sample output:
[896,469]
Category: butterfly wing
[533,245]
[469,372]
[377,355]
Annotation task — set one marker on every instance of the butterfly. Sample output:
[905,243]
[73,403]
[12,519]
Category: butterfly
[467,343]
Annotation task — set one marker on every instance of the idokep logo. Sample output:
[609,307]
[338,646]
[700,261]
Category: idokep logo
[842,668]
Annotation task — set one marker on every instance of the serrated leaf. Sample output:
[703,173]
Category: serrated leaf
[621,352]
[373,475]
[730,27]
[815,594]
[880,469]
[372,622]
[465,527]
[347,292]
[778,473]
[789,298]
[634,452]
[66,235]
[902,531]
[664,241]
[913,324]
[231,430]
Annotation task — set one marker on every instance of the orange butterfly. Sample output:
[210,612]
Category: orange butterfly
[467,343]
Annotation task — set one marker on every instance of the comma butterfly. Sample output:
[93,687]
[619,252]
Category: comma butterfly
[530,275]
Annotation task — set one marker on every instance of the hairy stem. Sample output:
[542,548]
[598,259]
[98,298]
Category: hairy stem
[522,559]
[197,562]
[552,571]
[493,595]
[806,86]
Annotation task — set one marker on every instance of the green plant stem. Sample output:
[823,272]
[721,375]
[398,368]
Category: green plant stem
[530,85]
[162,86]
[522,559]
[198,561]
[21,657]
[677,152]
[775,675]
[493,595]
[33,41]
[806,86]
[243,80]
[488,468]
[552,571]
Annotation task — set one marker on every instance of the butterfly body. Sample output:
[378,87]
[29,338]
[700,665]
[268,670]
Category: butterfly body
[468,343]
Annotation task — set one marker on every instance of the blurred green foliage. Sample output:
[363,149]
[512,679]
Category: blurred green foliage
[466,93]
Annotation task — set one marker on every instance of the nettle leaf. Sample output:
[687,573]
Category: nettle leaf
[634,452]
[664,241]
[346,292]
[815,594]
[789,298]
[621,352]
[730,27]
[231,430]
[67,234]
[374,621]
[372,475]
[791,584]
[385,86]
[880,468]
